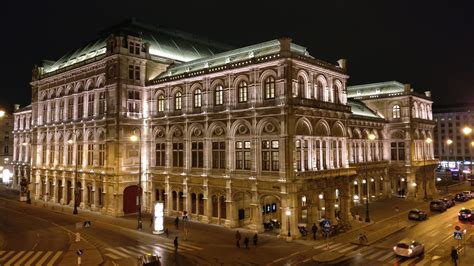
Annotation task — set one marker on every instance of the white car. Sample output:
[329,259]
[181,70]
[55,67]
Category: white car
[408,248]
[468,193]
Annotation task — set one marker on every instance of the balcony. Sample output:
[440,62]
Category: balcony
[319,104]
[320,174]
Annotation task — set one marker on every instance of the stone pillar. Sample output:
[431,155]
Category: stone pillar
[83,192]
[345,200]
[54,193]
[95,190]
[411,190]
[206,218]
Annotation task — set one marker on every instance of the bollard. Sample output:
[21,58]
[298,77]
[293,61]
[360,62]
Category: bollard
[78,237]
[78,260]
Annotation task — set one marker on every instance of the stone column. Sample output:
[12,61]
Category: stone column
[330,200]
[83,191]
[411,190]
[345,200]
[206,218]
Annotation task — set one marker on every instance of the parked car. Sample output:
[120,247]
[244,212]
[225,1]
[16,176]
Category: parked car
[437,205]
[417,214]
[461,197]
[468,194]
[408,248]
[448,201]
[465,215]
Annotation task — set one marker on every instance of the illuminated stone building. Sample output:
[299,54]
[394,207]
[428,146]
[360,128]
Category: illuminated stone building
[237,137]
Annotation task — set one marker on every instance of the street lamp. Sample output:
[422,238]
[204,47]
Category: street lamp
[2,113]
[76,192]
[367,215]
[467,131]
[448,142]
[288,213]
[138,138]
[428,141]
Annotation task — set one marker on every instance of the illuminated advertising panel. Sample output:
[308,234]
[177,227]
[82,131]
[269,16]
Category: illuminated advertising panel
[158,218]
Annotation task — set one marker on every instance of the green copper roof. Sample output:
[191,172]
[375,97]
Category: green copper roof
[360,109]
[373,89]
[166,43]
[232,56]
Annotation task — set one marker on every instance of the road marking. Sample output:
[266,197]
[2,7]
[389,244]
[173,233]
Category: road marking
[323,245]
[117,252]
[341,246]
[191,246]
[434,233]
[179,247]
[333,247]
[143,249]
[44,258]
[425,260]
[291,255]
[157,249]
[431,249]
[409,261]
[357,251]
[10,262]
[375,254]
[112,256]
[51,262]
[347,249]
[388,255]
[126,251]
[30,261]
[139,251]
[29,253]
[7,255]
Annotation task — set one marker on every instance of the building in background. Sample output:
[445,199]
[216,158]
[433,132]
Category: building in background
[6,147]
[263,136]
[454,141]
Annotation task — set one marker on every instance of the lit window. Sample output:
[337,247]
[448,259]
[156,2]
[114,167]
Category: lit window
[219,95]
[197,98]
[396,111]
[269,86]
[243,92]
[161,103]
[177,101]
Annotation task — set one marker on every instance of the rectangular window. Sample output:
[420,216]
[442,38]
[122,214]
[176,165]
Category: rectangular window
[52,117]
[397,151]
[160,154]
[45,112]
[218,155]
[43,151]
[133,72]
[90,105]
[133,101]
[61,110]
[101,154]
[90,154]
[197,151]
[178,152]
[69,154]
[102,103]
[51,154]
[80,154]
[137,73]
[242,155]
[61,155]
[80,107]
[130,72]
[70,108]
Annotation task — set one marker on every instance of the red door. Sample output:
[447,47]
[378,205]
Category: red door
[130,199]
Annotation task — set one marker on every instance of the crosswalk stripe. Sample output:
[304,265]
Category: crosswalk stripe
[179,247]
[28,254]
[323,245]
[126,251]
[425,260]
[351,247]
[375,254]
[340,247]
[333,247]
[191,246]
[158,249]
[58,254]
[366,252]
[30,261]
[117,252]
[434,233]
[10,262]
[409,261]
[358,251]
[112,256]
[44,258]
[139,251]
[388,255]
[7,255]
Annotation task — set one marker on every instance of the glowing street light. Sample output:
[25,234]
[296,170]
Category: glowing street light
[2,113]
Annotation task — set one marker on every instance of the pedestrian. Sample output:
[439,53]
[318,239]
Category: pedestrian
[246,242]
[167,232]
[255,239]
[151,221]
[237,238]
[315,230]
[176,222]
[454,256]
[175,244]
[185,216]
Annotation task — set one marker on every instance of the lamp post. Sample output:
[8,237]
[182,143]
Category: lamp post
[448,142]
[467,131]
[138,138]
[288,214]
[367,213]
[76,192]
[428,141]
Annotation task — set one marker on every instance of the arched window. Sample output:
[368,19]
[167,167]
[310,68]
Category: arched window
[243,92]
[320,91]
[161,103]
[396,111]
[301,87]
[177,101]
[219,95]
[422,111]
[335,89]
[269,86]
[197,98]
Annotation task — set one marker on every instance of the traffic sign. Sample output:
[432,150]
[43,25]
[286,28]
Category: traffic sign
[79,252]
[326,225]
[457,235]
[457,228]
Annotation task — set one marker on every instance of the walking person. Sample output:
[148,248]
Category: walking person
[454,256]
[151,221]
[176,222]
[237,238]
[255,239]
[175,244]
[315,230]
[246,242]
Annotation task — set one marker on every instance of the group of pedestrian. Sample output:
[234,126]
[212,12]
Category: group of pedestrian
[238,237]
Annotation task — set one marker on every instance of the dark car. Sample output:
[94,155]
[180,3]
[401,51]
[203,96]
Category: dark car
[417,214]
[465,215]
[461,197]
[449,202]
[438,205]
[149,260]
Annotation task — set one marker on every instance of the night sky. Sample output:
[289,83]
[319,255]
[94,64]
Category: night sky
[428,44]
